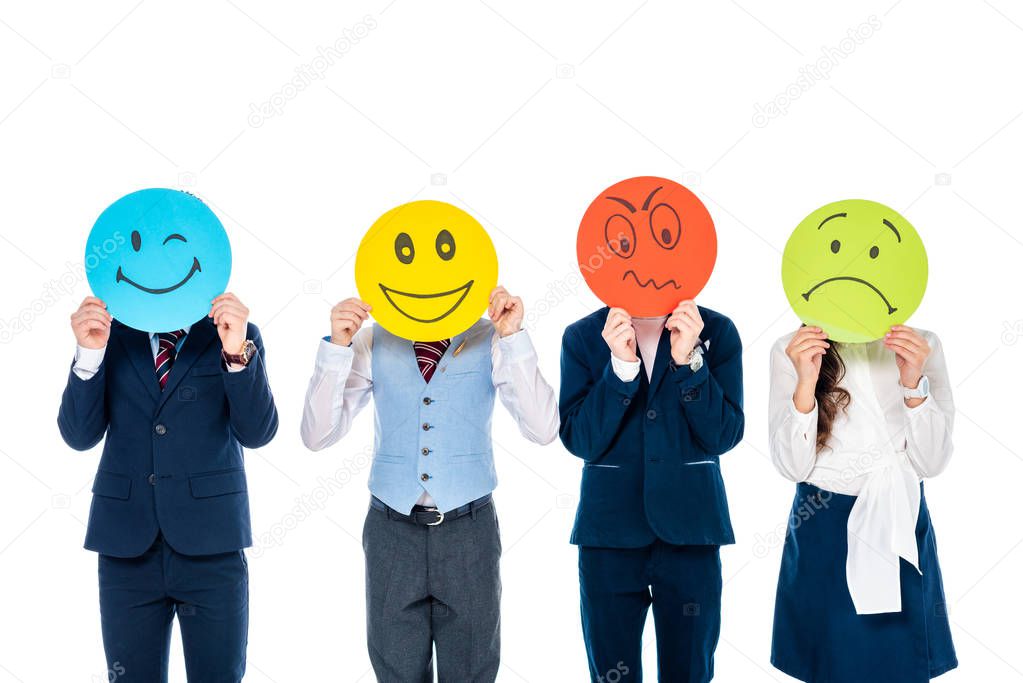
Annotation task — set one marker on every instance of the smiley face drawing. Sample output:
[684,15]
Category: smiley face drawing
[854,268]
[158,258]
[645,244]
[427,268]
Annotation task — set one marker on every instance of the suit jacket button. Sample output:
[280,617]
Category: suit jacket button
[427,401]
[626,401]
[651,414]
[160,429]
[152,480]
[425,476]
[426,426]
[425,451]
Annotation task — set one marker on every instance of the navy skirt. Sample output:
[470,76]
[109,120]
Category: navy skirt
[819,638]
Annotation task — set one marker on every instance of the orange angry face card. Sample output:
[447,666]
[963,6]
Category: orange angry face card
[645,244]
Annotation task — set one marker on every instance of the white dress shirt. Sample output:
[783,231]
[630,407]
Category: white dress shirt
[87,361]
[342,384]
[879,450]
[648,336]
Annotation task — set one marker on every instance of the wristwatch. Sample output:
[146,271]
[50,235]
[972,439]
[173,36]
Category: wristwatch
[243,358]
[694,361]
[922,390]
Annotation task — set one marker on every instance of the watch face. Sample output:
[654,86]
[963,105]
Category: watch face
[922,390]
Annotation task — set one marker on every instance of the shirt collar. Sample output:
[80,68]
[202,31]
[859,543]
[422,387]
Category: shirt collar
[186,328]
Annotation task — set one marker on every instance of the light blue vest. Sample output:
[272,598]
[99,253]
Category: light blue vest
[433,436]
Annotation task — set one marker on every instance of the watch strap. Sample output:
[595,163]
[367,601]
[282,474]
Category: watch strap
[922,389]
[243,358]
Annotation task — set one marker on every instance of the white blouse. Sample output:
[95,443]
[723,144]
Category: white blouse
[879,450]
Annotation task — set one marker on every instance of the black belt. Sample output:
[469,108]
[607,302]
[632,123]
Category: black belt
[427,516]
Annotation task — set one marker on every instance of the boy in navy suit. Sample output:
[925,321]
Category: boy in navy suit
[170,512]
[650,409]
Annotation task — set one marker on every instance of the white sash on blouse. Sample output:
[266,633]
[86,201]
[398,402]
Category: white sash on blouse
[882,523]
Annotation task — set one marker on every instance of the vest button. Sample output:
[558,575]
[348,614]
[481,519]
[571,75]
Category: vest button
[160,429]
[426,426]
[425,451]
[425,476]
[651,414]
[427,400]
[152,480]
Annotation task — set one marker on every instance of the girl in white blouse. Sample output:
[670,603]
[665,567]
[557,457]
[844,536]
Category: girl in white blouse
[858,427]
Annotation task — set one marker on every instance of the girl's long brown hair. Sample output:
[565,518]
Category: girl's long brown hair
[831,398]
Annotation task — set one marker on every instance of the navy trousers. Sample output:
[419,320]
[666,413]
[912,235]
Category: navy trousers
[139,596]
[619,585]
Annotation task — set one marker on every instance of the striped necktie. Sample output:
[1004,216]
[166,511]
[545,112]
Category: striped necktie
[428,355]
[167,349]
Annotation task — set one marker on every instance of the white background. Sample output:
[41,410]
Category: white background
[521,113]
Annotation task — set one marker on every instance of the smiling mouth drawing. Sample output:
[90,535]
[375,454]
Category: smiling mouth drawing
[891,309]
[196,268]
[458,293]
[650,281]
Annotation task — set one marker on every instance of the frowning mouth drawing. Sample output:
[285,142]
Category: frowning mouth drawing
[891,309]
[650,281]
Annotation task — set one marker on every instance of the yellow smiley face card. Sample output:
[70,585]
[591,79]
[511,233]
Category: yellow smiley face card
[427,268]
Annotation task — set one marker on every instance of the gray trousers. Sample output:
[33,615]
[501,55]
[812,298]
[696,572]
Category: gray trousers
[432,586]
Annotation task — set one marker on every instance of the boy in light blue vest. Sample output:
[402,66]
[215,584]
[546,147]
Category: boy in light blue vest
[431,536]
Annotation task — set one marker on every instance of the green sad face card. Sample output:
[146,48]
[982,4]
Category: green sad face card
[854,268]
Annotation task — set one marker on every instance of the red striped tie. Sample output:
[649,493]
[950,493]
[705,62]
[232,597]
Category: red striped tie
[166,351]
[428,355]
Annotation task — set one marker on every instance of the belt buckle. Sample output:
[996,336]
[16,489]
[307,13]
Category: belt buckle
[440,517]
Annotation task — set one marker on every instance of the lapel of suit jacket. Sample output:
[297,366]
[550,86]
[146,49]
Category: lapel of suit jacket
[199,337]
[139,349]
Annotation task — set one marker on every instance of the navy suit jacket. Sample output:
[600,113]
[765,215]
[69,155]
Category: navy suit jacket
[651,448]
[172,461]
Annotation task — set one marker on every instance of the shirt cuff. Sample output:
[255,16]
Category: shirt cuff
[625,370]
[626,389]
[916,410]
[331,357]
[87,361]
[516,347]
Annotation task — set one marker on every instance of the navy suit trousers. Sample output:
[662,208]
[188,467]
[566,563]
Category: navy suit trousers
[618,587]
[139,597]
